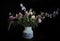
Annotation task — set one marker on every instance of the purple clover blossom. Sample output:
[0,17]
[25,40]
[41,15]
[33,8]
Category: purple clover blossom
[11,18]
[27,13]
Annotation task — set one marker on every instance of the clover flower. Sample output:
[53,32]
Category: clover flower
[39,20]
[11,18]
[27,14]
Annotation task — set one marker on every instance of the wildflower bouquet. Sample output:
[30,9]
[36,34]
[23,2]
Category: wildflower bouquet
[28,19]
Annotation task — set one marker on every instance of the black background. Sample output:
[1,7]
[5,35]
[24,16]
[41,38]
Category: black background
[47,30]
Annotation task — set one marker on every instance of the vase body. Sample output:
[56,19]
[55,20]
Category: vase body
[28,33]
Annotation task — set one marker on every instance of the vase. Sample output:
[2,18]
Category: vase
[28,33]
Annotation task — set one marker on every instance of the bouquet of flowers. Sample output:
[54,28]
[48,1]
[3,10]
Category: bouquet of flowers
[28,19]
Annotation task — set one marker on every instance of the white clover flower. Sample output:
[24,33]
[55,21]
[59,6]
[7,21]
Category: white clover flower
[23,8]
[46,14]
[39,20]
[21,5]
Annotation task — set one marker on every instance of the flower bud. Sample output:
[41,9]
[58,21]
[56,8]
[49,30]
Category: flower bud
[21,5]
[10,13]
[27,13]
[33,17]
[11,18]
[20,14]
[46,14]
[39,20]
[31,13]
[23,8]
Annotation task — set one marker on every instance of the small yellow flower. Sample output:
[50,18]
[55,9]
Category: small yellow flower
[31,13]
[33,17]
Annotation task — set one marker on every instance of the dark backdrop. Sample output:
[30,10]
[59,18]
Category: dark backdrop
[47,30]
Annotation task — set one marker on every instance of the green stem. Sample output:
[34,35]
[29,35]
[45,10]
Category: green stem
[9,25]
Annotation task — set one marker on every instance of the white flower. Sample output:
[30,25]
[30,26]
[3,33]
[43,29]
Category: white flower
[27,13]
[33,17]
[21,5]
[50,15]
[31,13]
[46,14]
[10,13]
[56,12]
[39,20]
[23,8]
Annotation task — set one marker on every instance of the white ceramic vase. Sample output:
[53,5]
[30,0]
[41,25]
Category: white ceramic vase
[28,33]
